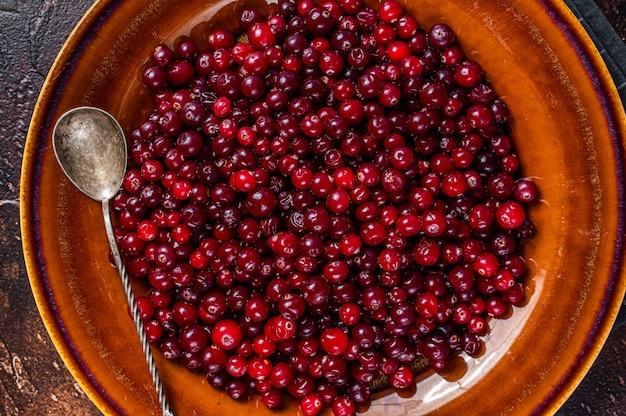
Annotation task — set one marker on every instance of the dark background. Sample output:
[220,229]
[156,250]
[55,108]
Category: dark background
[33,378]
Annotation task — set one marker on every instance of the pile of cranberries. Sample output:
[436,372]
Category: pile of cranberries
[319,199]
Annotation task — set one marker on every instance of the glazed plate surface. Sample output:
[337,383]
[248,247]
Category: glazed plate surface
[569,127]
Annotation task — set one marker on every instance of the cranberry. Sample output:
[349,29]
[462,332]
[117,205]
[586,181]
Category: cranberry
[390,11]
[226,334]
[271,398]
[334,341]
[193,338]
[525,191]
[279,328]
[510,215]
[311,404]
[261,36]
[343,406]
[402,378]
[468,73]
[440,36]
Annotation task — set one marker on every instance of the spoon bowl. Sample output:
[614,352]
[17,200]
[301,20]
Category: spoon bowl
[90,147]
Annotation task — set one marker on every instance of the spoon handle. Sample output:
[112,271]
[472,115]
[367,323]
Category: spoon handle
[132,304]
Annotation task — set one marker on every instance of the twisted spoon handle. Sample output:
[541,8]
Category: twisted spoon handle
[134,310]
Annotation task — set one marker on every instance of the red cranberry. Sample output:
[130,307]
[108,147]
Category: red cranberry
[226,334]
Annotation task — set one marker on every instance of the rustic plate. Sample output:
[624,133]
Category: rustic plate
[569,126]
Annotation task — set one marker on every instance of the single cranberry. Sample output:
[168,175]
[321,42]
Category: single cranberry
[260,36]
[402,378]
[226,334]
[310,404]
[390,11]
[468,73]
[343,406]
[334,341]
[510,215]
[440,36]
[525,191]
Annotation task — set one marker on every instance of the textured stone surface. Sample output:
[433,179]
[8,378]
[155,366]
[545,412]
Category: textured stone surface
[33,379]
[603,390]
[615,12]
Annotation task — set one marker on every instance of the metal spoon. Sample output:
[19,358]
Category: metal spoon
[89,145]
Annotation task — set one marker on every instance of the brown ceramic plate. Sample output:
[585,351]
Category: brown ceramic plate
[569,126]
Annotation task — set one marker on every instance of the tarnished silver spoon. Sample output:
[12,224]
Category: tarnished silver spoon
[89,145]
